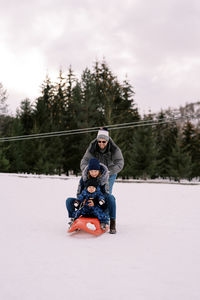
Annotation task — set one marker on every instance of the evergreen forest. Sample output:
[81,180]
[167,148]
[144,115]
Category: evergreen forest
[154,146]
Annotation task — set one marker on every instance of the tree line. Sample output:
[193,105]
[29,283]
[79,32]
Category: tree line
[153,149]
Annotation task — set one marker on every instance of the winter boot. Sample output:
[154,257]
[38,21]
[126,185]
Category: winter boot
[113,226]
[103,226]
[70,223]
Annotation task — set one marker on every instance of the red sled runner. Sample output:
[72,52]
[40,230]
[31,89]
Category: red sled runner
[90,225]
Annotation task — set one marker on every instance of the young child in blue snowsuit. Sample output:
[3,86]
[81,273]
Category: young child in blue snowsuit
[91,201]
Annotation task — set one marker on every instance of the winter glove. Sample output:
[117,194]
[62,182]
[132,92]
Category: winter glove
[101,201]
[76,203]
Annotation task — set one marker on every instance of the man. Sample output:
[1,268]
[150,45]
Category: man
[107,152]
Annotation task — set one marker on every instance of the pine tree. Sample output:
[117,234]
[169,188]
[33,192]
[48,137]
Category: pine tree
[125,112]
[144,152]
[4,162]
[71,149]
[44,113]
[25,114]
[55,153]
[3,98]
[196,168]
[180,166]
[191,145]
[59,102]
[107,90]
[166,135]
[13,149]
[5,121]
[25,147]
[41,165]
[91,104]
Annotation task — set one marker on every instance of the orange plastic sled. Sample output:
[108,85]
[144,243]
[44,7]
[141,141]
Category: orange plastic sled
[90,225]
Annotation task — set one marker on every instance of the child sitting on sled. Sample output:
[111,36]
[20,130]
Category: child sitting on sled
[90,203]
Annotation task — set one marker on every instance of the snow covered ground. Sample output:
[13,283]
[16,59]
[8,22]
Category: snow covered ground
[155,254]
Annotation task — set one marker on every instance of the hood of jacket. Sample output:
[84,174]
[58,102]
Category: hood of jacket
[103,179]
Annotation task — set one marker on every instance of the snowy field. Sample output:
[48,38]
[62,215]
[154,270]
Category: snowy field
[155,254]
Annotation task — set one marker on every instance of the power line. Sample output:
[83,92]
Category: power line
[94,129]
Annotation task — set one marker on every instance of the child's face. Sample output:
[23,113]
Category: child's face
[94,173]
[91,189]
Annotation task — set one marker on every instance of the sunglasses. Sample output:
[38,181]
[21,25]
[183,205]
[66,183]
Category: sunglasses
[102,142]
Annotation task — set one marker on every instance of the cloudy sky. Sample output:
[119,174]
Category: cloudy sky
[156,43]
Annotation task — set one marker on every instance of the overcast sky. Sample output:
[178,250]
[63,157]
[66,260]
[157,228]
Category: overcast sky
[156,43]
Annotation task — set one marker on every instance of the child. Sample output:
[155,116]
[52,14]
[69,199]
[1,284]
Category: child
[91,201]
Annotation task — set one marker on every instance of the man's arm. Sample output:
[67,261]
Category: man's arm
[118,161]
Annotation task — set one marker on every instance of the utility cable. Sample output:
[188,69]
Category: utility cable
[93,129]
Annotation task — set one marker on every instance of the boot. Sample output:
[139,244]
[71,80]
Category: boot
[113,226]
[103,226]
[70,222]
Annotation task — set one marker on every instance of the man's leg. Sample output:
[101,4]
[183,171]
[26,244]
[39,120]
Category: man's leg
[111,205]
[111,182]
[110,199]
